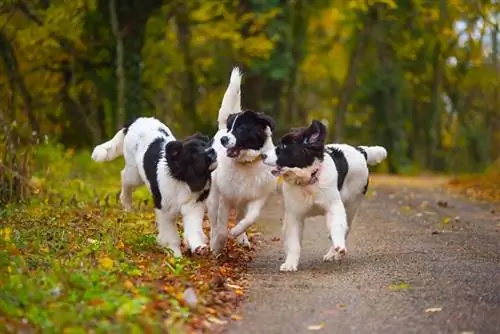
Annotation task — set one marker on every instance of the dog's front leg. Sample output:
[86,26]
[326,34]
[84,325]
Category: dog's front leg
[219,234]
[192,215]
[168,235]
[336,221]
[292,235]
[253,212]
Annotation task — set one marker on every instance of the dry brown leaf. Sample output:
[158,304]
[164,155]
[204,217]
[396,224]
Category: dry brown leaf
[316,327]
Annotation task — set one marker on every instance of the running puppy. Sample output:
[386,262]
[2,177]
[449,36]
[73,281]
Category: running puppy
[241,180]
[319,179]
[177,173]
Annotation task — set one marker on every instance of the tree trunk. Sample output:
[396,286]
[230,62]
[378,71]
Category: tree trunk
[349,85]
[120,71]
[190,85]
[9,60]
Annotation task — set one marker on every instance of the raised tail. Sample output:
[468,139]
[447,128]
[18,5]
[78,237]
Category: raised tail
[374,154]
[231,102]
[111,149]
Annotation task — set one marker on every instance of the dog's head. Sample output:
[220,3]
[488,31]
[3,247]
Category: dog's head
[248,133]
[192,160]
[299,152]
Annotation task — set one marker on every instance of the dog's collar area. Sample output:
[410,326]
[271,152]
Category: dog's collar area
[247,162]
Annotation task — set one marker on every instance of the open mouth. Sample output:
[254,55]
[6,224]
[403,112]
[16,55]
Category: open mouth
[233,152]
[277,171]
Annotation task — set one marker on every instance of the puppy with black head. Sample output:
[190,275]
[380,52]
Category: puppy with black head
[319,179]
[176,172]
[241,181]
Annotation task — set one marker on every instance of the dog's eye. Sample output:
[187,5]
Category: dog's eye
[282,146]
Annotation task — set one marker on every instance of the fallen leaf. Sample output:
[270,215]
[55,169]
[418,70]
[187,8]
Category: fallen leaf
[120,244]
[236,317]
[189,296]
[442,203]
[217,320]
[399,286]
[106,263]
[446,220]
[316,327]
[433,309]
[275,239]
[128,285]
[234,286]
[341,306]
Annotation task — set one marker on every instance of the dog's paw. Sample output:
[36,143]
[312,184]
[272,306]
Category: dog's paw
[330,255]
[340,253]
[242,239]
[201,250]
[217,243]
[288,266]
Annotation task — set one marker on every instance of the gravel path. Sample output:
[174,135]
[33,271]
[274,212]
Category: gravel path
[419,261]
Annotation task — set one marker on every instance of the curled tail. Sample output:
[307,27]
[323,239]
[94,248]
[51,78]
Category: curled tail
[373,154]
[111,149]
[231,102]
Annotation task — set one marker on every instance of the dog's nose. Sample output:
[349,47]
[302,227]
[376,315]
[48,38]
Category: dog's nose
[224,140]
[263,156]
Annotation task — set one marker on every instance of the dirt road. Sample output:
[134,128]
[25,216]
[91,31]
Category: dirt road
[419,261]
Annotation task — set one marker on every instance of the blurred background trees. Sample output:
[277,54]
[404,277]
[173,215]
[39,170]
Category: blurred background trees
[420,77]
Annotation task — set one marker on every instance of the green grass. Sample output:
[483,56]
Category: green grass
[71,260]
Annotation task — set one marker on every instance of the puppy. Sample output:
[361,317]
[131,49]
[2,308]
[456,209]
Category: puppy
[241,180]
[319,179]
[177,173]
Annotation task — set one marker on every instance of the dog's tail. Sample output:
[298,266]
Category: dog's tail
[111,149]
[373,154]
[231,102]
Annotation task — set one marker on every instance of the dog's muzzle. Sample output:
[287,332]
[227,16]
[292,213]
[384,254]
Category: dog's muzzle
[277,171]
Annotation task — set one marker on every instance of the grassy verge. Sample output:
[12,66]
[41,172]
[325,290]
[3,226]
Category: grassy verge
[72,261]
[485,187]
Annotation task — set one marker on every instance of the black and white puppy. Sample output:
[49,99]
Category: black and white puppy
[241,181]
[319,179]
[177,173]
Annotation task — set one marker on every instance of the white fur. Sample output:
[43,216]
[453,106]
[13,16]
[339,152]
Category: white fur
[237,182]
[324,199]
[176,196]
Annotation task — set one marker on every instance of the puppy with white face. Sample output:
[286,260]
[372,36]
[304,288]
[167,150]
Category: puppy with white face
[241,180]
[177,173]
[319,179]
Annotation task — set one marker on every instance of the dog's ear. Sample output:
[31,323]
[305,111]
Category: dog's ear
[173,149]
[266,121]
[315,134]
[198,135]
[230,121]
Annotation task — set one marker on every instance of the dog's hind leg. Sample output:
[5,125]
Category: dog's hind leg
[130,181]
[253,212]
[219,234]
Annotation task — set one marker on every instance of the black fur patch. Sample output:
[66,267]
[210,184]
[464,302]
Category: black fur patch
[163,131]
[301,146]
[150,163]
[362,151]
[204,194]
[249,129]
[128,124]
[340,163]
[365,189]
[189,160]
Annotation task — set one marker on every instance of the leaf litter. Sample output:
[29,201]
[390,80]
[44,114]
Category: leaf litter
[90,266]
